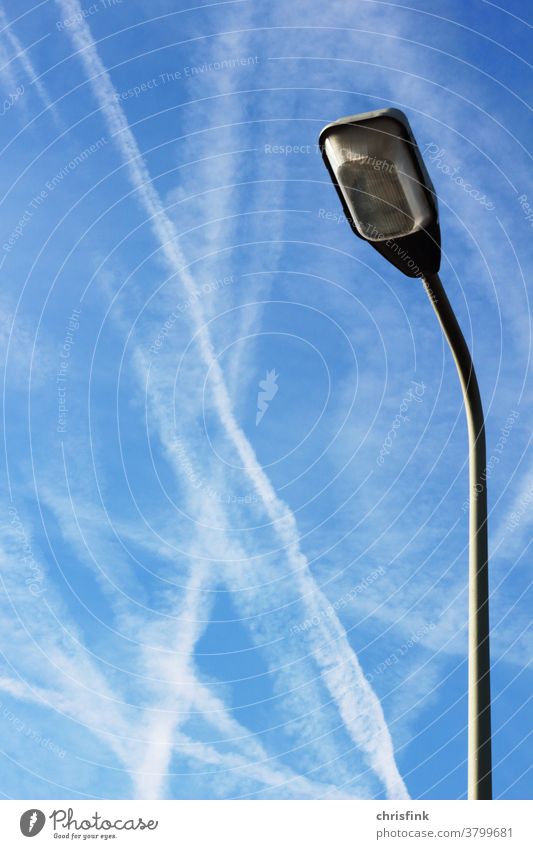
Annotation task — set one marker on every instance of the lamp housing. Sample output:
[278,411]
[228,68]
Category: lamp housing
[384,187]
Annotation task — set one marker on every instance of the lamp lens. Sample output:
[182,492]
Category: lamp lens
[375,170]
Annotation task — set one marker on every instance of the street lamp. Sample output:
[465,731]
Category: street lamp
[389,201]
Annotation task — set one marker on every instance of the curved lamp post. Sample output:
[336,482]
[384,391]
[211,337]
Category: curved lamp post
[390,202]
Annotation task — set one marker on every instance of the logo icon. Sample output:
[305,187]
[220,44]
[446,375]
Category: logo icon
[32,822]
[269,388]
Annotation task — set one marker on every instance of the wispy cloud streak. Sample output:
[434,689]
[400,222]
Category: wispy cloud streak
[22,56]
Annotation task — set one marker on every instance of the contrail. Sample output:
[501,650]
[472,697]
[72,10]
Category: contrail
[358,705]
[22,55]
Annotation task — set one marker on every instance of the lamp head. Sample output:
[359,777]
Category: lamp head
[387,195]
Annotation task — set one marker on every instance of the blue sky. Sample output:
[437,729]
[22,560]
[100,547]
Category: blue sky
[197,603]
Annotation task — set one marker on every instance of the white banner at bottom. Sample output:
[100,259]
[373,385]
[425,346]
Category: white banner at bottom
[268,824]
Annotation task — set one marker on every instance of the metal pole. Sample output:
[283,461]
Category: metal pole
[479,726]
